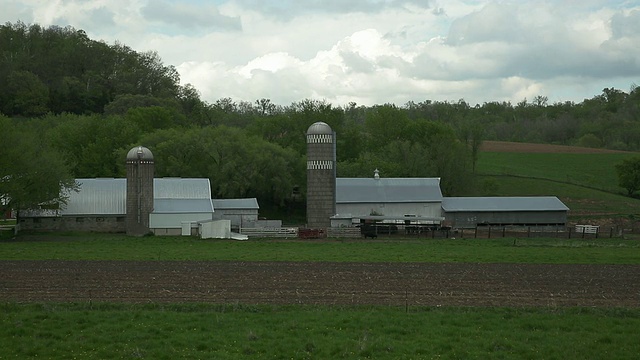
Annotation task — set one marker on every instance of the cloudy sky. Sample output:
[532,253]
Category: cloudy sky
[370,51]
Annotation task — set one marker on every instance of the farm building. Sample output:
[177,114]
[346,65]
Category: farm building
[407,201]
[389,198]
[100,205]
[469,212]
[241,212]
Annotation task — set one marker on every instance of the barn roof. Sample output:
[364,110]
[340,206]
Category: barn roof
[226,204]
[181,188]
[495,204]
[181,206]
[102,196]
[107,196]
[388,190]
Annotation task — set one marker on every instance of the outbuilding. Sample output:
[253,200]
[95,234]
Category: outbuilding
[391,198]
[241,212]
[100,205]
[470,212]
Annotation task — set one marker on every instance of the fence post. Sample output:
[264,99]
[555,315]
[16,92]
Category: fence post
[504,231]
[489,236]
[528,231]
[475,235]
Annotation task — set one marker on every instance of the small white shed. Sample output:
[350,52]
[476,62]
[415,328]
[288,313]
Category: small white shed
[215,229]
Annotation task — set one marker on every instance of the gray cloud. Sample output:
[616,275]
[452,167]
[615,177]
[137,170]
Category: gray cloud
[288,9]
[101,18]
[626,25]
[16,11]
[186,16]
[356,63]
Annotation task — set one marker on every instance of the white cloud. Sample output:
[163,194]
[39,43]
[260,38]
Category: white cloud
[370,51]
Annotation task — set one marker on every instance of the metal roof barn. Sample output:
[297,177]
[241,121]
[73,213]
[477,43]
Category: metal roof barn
[389,198]
[107,196]
[469,212]
[388,190]
[97,197]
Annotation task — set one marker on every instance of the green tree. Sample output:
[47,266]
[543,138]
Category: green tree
[237,164]
[25,94]
[93,143]
[31,172]
[629,175]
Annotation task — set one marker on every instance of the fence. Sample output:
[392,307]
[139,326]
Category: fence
[279,232]
[579,231]
[402,231]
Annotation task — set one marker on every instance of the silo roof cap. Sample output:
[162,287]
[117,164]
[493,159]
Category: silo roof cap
[139,153]
[319,128]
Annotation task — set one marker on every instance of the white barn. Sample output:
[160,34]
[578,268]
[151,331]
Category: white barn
[389,198]
[100,205]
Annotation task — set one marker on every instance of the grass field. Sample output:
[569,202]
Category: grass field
[503,250]
[596,171]
[178,331]
[586,183]
[234,331]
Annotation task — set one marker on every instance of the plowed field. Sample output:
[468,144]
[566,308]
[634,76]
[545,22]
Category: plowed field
[404,284]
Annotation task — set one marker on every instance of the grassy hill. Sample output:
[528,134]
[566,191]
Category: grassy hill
[585,179]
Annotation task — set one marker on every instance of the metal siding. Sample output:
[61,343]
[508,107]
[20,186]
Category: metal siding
[224,204]
[390,209]
[386,190]
[506,203]
[179,188]
[470,219]
[97,197]
[108,196]
[183,206]
[174,221]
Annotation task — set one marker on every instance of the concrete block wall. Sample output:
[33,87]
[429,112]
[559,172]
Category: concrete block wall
[139,193]
[321,180]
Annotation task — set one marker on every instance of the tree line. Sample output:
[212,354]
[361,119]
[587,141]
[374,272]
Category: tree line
[78,105]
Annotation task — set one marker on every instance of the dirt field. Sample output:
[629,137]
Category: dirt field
[403,284]
[506,146]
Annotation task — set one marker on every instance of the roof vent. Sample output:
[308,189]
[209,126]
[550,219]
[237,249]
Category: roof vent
[376,174]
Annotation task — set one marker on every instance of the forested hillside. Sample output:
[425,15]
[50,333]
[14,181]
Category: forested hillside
[84,103]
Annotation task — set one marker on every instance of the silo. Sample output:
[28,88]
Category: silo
[321,175]
[140,169]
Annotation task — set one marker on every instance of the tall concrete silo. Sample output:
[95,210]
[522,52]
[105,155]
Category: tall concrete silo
[140,172]
[321,175]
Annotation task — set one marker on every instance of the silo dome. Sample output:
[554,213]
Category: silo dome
[139,153]
[319,128]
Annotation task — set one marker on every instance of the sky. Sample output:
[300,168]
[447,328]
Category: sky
[370,51]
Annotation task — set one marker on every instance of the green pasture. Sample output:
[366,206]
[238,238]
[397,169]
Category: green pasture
[201,331]
[499,250]
[596,171]
[586,183]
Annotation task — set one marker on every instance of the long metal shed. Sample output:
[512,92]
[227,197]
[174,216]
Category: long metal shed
[469,212]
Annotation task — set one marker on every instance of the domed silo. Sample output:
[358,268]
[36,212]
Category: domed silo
[140,171]
[321,175]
